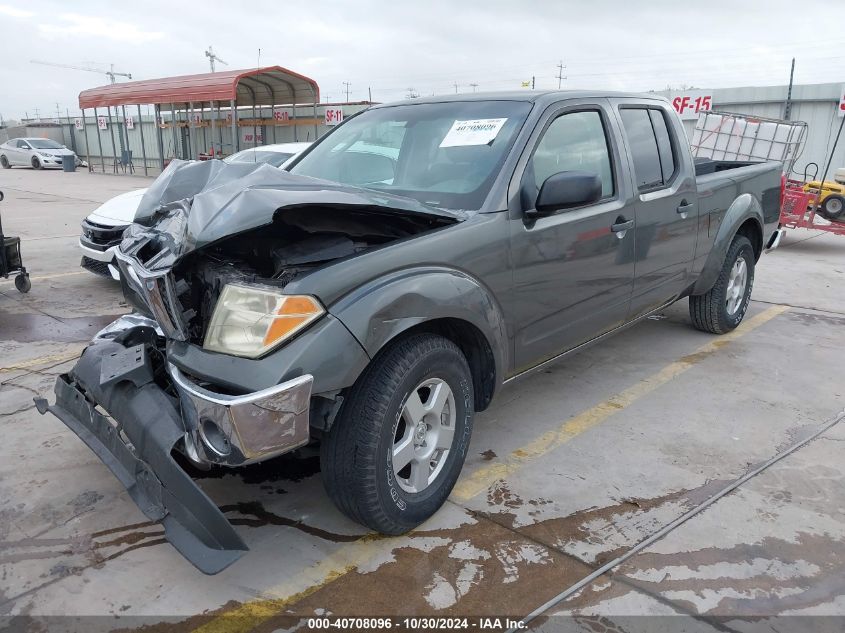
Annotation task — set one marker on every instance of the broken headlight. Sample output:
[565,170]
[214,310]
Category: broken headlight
[250,321]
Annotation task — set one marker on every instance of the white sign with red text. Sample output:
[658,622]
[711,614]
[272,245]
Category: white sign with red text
[281,115]
[250,138]
[77,123]
[691,103]
[130,123]
[841,109]
[102,123]
[333,116]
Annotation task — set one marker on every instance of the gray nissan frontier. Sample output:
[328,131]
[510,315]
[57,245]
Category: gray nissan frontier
[377,293]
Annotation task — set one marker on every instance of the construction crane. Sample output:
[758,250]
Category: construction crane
[112,75]
[212,57]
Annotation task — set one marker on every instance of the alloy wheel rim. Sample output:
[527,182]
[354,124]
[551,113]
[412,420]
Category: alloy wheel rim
[834,206]
[737,281]
[423,435]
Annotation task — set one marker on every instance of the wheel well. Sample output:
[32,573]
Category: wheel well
[751,229]
[475,348]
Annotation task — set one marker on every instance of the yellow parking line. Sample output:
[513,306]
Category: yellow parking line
[481,479]
[43,360]
[249,615]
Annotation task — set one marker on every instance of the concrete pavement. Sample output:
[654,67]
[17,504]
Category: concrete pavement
[568,469]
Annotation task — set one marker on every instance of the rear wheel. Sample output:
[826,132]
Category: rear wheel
[723,307]
[36,164]
[400,440]
[833,208]
[5,162]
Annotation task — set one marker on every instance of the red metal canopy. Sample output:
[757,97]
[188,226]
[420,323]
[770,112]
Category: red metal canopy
[260,86]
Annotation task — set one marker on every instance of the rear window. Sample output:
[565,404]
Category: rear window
[651,147]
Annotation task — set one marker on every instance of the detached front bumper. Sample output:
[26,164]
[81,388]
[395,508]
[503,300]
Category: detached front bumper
[151,413]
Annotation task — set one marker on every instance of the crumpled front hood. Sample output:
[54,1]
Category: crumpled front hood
[193,204]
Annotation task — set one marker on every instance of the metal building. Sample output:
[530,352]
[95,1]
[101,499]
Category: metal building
[815,104]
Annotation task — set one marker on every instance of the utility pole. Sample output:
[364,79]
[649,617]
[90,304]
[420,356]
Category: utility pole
[787,111]
[474,86]
[370,93]
[456,87]
[213,57]
[37,116]
[559,75]
[347,84]
[532,82]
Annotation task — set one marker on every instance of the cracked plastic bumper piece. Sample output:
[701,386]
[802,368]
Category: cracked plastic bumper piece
[137,448]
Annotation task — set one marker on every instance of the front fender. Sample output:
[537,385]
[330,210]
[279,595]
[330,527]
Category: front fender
[380,310]
[745,206]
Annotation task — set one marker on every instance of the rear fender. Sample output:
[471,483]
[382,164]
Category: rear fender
[382,309]
[744,207]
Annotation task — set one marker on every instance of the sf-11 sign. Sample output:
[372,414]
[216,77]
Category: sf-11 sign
[689,105]
[333,116]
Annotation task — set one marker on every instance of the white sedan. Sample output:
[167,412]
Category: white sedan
[103,229]
[34,152]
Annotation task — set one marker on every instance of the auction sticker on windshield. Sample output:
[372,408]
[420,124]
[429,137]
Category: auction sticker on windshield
[474,132]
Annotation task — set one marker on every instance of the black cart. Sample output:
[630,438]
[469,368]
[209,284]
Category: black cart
[10,259]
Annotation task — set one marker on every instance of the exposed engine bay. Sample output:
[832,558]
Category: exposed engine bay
[297,242]
[202,226]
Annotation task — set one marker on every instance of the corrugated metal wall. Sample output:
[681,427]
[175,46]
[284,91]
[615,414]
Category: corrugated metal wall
[815,104]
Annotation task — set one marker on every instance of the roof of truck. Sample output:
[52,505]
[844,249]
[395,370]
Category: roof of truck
[530,96]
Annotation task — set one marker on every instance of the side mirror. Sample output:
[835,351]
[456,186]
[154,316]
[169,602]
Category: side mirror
[568,189]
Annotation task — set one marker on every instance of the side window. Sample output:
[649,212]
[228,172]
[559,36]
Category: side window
[650,145]
[23,145]
[643,147]
[664,144]
[574,142]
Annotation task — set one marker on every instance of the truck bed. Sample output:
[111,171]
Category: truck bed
[705,166]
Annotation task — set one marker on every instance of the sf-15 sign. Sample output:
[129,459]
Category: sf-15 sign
[690,104]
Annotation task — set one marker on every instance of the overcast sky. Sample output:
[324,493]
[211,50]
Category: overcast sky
[428,46]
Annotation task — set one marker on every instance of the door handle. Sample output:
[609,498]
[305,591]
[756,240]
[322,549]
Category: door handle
[684,207]
[622,226]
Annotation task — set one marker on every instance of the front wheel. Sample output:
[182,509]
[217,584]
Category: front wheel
[722,308]
[36,164]
[5,162]
[22,283]
[398,445]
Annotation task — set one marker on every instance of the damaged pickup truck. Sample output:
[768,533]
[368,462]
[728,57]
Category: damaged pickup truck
[379,293]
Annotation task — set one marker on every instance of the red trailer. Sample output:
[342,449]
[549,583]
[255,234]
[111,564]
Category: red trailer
[799,208]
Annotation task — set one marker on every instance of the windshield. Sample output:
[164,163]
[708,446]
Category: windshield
[442,154]
[44,143]
[276,159]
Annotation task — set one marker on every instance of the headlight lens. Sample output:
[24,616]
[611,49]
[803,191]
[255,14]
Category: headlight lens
[249,321]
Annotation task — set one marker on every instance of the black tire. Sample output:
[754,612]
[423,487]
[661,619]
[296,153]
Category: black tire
[709,312]
[833,208]
[36,164]
[356,456]
[5,162]
[22,283]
